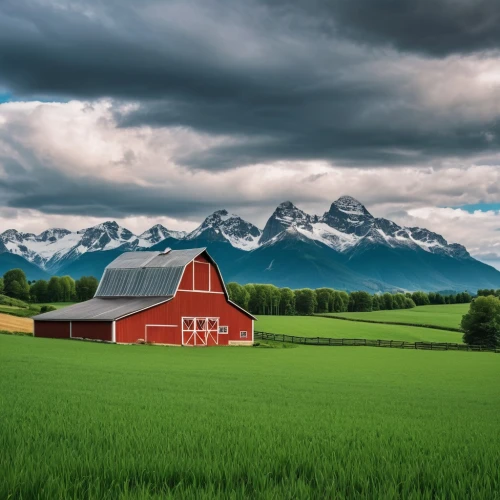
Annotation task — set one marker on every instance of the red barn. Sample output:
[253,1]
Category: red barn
[176,297]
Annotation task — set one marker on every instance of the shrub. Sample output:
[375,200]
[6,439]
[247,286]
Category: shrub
[47,308]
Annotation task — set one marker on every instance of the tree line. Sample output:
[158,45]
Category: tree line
[269,299]
[58,289]
[486,292]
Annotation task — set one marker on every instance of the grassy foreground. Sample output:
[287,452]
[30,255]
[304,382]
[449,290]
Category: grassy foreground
[311,326]
[445,316]
[85,420]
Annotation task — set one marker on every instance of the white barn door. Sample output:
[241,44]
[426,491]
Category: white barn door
[200,331]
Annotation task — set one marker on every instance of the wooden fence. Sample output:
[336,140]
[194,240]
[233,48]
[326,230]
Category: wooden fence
[400,344]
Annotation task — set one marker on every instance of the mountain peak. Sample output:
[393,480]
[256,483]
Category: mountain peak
[350,205]
[109,224]
[225,227]
[285,216]
[287,205]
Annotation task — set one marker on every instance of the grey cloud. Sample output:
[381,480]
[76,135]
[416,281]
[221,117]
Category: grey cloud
[283,80]
[433,27]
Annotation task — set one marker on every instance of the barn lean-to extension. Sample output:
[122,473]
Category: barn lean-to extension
[176,297]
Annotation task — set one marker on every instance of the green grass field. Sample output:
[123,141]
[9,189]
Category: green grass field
[57,305]
[30,311]
[18,311]
[86,420]
[445,316]
[310,326]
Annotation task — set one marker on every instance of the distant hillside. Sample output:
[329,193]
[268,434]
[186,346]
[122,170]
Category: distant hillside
[9,261]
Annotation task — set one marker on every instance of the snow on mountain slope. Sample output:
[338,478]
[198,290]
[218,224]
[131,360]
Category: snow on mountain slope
[348,224]
[159,233]
[347,227]
[53,246]
[223,226]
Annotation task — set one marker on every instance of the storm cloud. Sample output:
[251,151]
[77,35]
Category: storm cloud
[183,107]
[267,73]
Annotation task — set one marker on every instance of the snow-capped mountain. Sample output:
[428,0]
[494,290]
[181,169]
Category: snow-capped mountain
[346,247]
[223,226]
[159,233]
[348,226]
[56,247]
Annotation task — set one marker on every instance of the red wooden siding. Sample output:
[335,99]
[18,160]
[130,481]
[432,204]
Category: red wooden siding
[185,304]
[95,330]
[162,335]
[52,329]
[187,278]
[215,281]
[201,275]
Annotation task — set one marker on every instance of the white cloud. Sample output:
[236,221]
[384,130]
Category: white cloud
[80,144]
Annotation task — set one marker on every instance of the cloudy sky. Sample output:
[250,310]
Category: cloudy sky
[163,111]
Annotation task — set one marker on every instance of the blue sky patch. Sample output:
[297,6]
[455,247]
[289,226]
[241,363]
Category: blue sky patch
[484,207]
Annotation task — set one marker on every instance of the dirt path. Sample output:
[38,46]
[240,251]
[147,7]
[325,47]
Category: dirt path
[15,324]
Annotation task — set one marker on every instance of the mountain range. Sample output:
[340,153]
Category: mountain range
[345,248]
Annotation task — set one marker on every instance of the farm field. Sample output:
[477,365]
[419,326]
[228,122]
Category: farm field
[15,324]
[444,316]
[311,326]
[85,420]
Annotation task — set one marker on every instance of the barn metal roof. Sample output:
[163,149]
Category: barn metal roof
[174,258]
[145,274]
[102,309]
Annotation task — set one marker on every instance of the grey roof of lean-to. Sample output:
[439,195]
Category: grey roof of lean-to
[102,309]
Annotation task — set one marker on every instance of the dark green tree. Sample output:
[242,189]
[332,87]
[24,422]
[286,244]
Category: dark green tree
[16,284]
[388,302]
[38,291]
[305,301]
[287,302]
[481,325]
[238,294]
[323,297]
[86,287]
[360,302]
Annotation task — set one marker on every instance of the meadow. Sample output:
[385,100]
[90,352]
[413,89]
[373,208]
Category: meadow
[314,326]
[87,420]
[443,316]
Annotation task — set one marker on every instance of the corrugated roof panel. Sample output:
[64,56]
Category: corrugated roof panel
[174,258]
[129,260]
[101,309]
[140,282]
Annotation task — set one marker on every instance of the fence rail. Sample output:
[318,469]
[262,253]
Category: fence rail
[400,344]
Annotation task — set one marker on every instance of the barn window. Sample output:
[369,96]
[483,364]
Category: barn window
[243,335]
[223,329]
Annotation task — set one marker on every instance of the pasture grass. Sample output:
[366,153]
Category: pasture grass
[57,305]
[444,316]
[19,311]
[87,420]
[313,326]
